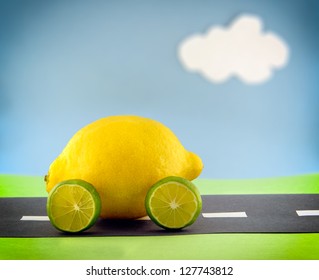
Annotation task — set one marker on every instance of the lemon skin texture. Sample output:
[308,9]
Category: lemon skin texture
[122,157]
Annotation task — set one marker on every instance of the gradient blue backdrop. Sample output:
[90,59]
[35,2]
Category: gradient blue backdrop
[64,64]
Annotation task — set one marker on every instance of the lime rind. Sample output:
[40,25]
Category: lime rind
[63,217]
[163,198]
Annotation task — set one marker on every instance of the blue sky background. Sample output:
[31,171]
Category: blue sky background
[64,64]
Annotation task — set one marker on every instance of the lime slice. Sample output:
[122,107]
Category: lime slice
[73,205]
[173,203]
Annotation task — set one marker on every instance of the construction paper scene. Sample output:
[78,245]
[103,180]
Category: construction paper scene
[236,81]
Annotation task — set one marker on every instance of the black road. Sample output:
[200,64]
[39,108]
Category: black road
[220,214]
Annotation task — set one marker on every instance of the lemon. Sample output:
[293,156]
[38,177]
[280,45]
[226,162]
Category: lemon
[173,203]
[122,157]
[73,206]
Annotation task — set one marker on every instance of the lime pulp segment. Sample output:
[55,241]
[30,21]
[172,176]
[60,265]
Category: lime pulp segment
[72,207]
[173,205]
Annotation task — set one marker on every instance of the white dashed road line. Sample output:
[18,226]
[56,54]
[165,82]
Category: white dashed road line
[146,218]
[303,213]
[225,215]
[46,218]
[34,218]
[300,213]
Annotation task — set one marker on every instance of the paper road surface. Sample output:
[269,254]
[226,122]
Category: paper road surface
[291,213]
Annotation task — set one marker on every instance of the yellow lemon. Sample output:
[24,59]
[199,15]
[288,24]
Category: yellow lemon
[122,157]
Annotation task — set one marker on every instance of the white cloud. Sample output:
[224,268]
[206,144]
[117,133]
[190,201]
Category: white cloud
[242,50]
